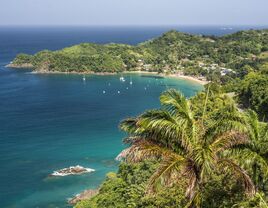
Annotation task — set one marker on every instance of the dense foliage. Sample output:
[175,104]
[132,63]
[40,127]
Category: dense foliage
[127,188]
[254,93]
[252,90]
[202,152]
[192,54]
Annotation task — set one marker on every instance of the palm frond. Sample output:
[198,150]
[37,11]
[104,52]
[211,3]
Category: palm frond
[144,149]
[227,140]
[168,172]
[129,125]
[131,139]
[160,125]
[239,173]
[227,119]
[205,160]
[253,122]
[195,201]
[248,157]
[175,102]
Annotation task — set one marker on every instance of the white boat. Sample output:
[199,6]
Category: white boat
[84,78]
[130,81]
[122,79]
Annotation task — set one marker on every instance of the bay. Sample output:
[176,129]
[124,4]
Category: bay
[48,122]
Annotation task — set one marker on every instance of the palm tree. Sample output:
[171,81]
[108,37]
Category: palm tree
[256,151]
[188,146]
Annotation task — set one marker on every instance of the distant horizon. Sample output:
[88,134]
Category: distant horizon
[133,25]
[216,30]
[139,12]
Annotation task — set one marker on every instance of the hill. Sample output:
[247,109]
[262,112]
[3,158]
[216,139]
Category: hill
[172,52]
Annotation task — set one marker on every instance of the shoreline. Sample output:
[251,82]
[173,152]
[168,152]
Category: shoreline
[189,78]
[86,194]
[177,75]
[79,73]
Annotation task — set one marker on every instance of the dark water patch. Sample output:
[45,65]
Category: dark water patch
[162,85]
[153,76]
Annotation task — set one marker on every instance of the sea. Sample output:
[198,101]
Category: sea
[49,121]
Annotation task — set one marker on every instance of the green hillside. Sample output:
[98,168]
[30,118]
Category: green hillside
[171,52]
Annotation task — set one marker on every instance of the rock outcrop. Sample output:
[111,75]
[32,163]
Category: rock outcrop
[87,194]
[73,170]
[17,66]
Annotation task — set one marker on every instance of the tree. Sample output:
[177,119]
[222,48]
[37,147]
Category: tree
[257,149]
[253,93]
[189,147]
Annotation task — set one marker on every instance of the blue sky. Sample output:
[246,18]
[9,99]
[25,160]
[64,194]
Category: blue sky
[133,12]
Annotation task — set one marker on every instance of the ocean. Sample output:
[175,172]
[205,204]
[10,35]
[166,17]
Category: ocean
[49,122]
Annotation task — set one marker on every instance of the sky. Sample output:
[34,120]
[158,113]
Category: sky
[133,12]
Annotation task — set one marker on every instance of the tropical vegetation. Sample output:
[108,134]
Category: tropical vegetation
[171,52]
[198,152]
[210,150]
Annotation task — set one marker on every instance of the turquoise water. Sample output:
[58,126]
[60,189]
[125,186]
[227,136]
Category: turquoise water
[48,122]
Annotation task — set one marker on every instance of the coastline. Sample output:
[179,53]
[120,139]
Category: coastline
[177,75]
[86,194]
[190,78]
[73,72]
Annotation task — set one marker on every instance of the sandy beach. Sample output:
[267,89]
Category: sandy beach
[178,76]
[190,78]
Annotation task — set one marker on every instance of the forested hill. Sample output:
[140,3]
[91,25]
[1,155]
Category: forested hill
[171,52]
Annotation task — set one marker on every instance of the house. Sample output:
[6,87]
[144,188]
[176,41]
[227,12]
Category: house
[225,71]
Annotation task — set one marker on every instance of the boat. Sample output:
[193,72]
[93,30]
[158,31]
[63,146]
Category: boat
[130,81]
[84,78]
[122,79]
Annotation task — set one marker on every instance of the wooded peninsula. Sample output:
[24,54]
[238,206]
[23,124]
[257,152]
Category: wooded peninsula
[238,62]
